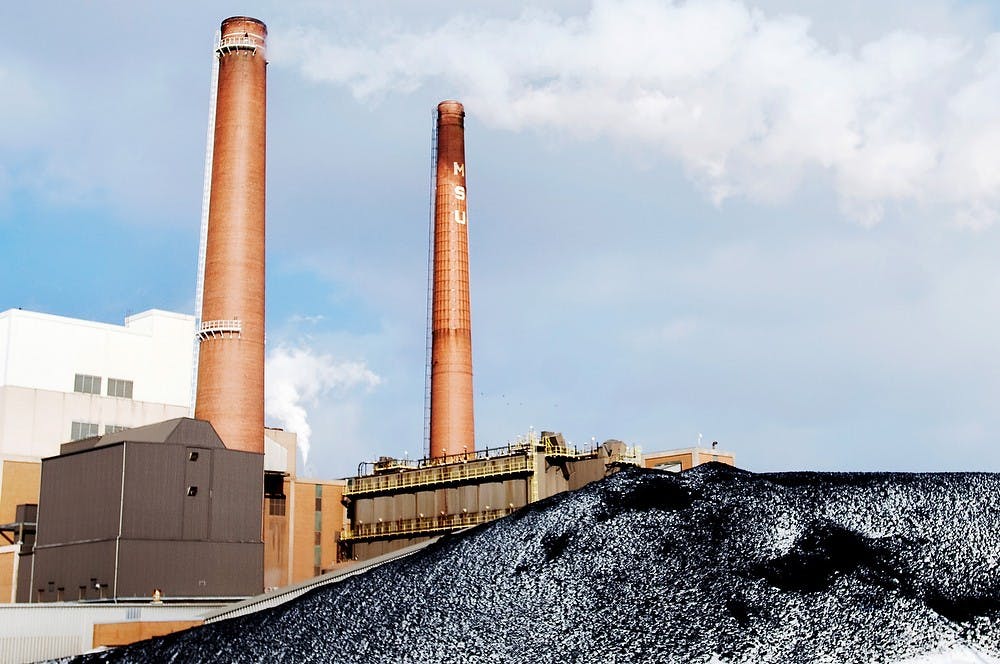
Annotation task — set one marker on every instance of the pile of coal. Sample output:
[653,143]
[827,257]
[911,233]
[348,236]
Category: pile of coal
[710,565]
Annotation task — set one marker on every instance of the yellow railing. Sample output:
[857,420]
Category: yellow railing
[515,464]
[420,525]
[557,450]
[631,455]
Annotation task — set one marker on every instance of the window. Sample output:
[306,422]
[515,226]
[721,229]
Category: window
[113,428]
[82,430]
[192,491]
[319,504]
[87,384]
[276,506]
[117,387]
[319,539]
[274,484]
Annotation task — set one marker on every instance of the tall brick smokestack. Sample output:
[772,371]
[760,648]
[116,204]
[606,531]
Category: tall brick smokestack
[231,349]
[452,429]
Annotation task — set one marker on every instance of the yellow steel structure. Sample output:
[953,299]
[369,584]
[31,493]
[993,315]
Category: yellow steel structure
[519,460]
[420,526]
[516,464]
[527,457]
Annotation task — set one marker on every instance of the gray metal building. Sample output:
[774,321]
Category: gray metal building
[164,506]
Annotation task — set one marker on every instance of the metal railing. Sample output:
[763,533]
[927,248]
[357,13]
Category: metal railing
[420,525]
[239,43]
[390,474]
[514,464]
[215,328]
[388,464]
[630,455]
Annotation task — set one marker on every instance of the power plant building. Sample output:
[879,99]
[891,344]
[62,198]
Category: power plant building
[396,503]
[303,521]
[165,506]
[145,501]
[64,378]
[686,458]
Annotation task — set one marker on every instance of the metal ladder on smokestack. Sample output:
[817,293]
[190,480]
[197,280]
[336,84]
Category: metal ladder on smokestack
[428,342]
[206,194]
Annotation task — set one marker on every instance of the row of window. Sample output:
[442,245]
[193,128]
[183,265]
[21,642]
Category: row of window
[117,387]
[89,429]
[318,548]
[276,506]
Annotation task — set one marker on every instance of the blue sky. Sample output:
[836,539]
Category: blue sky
[770,223]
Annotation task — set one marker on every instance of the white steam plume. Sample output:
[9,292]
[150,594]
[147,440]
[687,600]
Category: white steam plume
[297,377]
[749,103]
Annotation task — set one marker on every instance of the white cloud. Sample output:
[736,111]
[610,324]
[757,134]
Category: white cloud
[296,378]
[748,102]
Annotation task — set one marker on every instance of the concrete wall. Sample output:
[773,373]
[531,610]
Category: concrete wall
[277,550]
[34,422]
[280,450]
[41,354]
[307,559]
[19,483]
[124,633]
[687,457]
[153,348]
[8,572]
[290,548]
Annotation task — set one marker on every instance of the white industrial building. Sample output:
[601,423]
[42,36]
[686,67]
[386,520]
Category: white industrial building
[64,378]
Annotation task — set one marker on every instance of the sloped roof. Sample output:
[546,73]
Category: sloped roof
[178,431]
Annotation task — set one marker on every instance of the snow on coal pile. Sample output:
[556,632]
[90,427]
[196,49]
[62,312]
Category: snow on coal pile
[711,565]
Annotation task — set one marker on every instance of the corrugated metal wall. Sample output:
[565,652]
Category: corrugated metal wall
[237,496]
[190,569]
[79,497]
[29,633]
[190,523]
[154,490]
